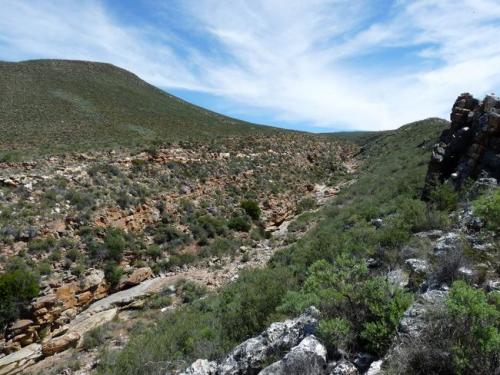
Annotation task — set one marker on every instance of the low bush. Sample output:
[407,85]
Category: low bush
[368,307]
[239,223]
[18,285]
[190,291]
[113,274]
[488,208]
[251,208]
[463,337]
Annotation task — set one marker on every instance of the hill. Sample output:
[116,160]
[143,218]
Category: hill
[58,105]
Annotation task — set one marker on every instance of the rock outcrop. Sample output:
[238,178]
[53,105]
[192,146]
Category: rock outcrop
[251,356]
[470,147]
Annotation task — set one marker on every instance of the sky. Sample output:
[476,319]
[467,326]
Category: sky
[315,65]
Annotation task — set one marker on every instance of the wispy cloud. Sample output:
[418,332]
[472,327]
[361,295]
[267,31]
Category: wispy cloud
[323,63]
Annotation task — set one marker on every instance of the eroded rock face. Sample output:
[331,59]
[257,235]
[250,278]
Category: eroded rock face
[307,358]
[470,147]
[414,318]
[59,344]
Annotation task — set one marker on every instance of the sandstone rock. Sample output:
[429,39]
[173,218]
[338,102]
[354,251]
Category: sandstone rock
[67,294]
[135,278]
[92,279]
[16,362]
[60,344]
[20,325]
[45,301]
[307,358]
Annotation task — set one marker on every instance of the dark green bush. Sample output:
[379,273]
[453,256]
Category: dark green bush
[239,223]
[113,274]
[251,208]
[18,285]
[115,243]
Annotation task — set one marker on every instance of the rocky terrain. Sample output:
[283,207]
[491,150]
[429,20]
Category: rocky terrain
[94,225]
[199,244]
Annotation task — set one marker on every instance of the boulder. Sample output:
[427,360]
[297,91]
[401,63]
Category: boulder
[250,356]
[60,344]
[45,301]
[135,278]
[92,279]
[375,368]
[201,367]
[414,319]
[417,265]
[307,358]
[20,325]
[343,367]
[397,278]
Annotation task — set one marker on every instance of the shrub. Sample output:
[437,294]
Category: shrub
[488,208]
[115,243]
[475,341]
[73,254]
[444,197]
[42,245]
[344,290]
[251,208]
[18,285]
[239,223]
[190,291]
[335,333]
[461,337]
[113,274]
[306,204]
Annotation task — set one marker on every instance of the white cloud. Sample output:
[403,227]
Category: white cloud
[301,61]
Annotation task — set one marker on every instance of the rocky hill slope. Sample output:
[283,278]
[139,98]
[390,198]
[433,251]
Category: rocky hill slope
[61,105]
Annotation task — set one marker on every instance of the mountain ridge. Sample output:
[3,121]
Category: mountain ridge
[60,105]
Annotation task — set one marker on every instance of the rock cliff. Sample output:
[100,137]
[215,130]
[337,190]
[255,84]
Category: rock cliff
[470,147]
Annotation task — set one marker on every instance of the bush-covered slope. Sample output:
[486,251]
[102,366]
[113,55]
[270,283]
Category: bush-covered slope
[67,105]
[387,187]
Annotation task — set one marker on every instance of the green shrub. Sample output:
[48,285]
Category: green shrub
[43,245]
[44,268]
[190,291]
[113,274]
[115,243]
[475,341]
[239,223]
[444,197]
[344,290]
[18,285]
[335,333]
[488,208]
[251,208]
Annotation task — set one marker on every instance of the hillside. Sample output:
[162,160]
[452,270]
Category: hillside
[52,105]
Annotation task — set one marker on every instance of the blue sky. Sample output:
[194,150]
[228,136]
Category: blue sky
[317,65]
